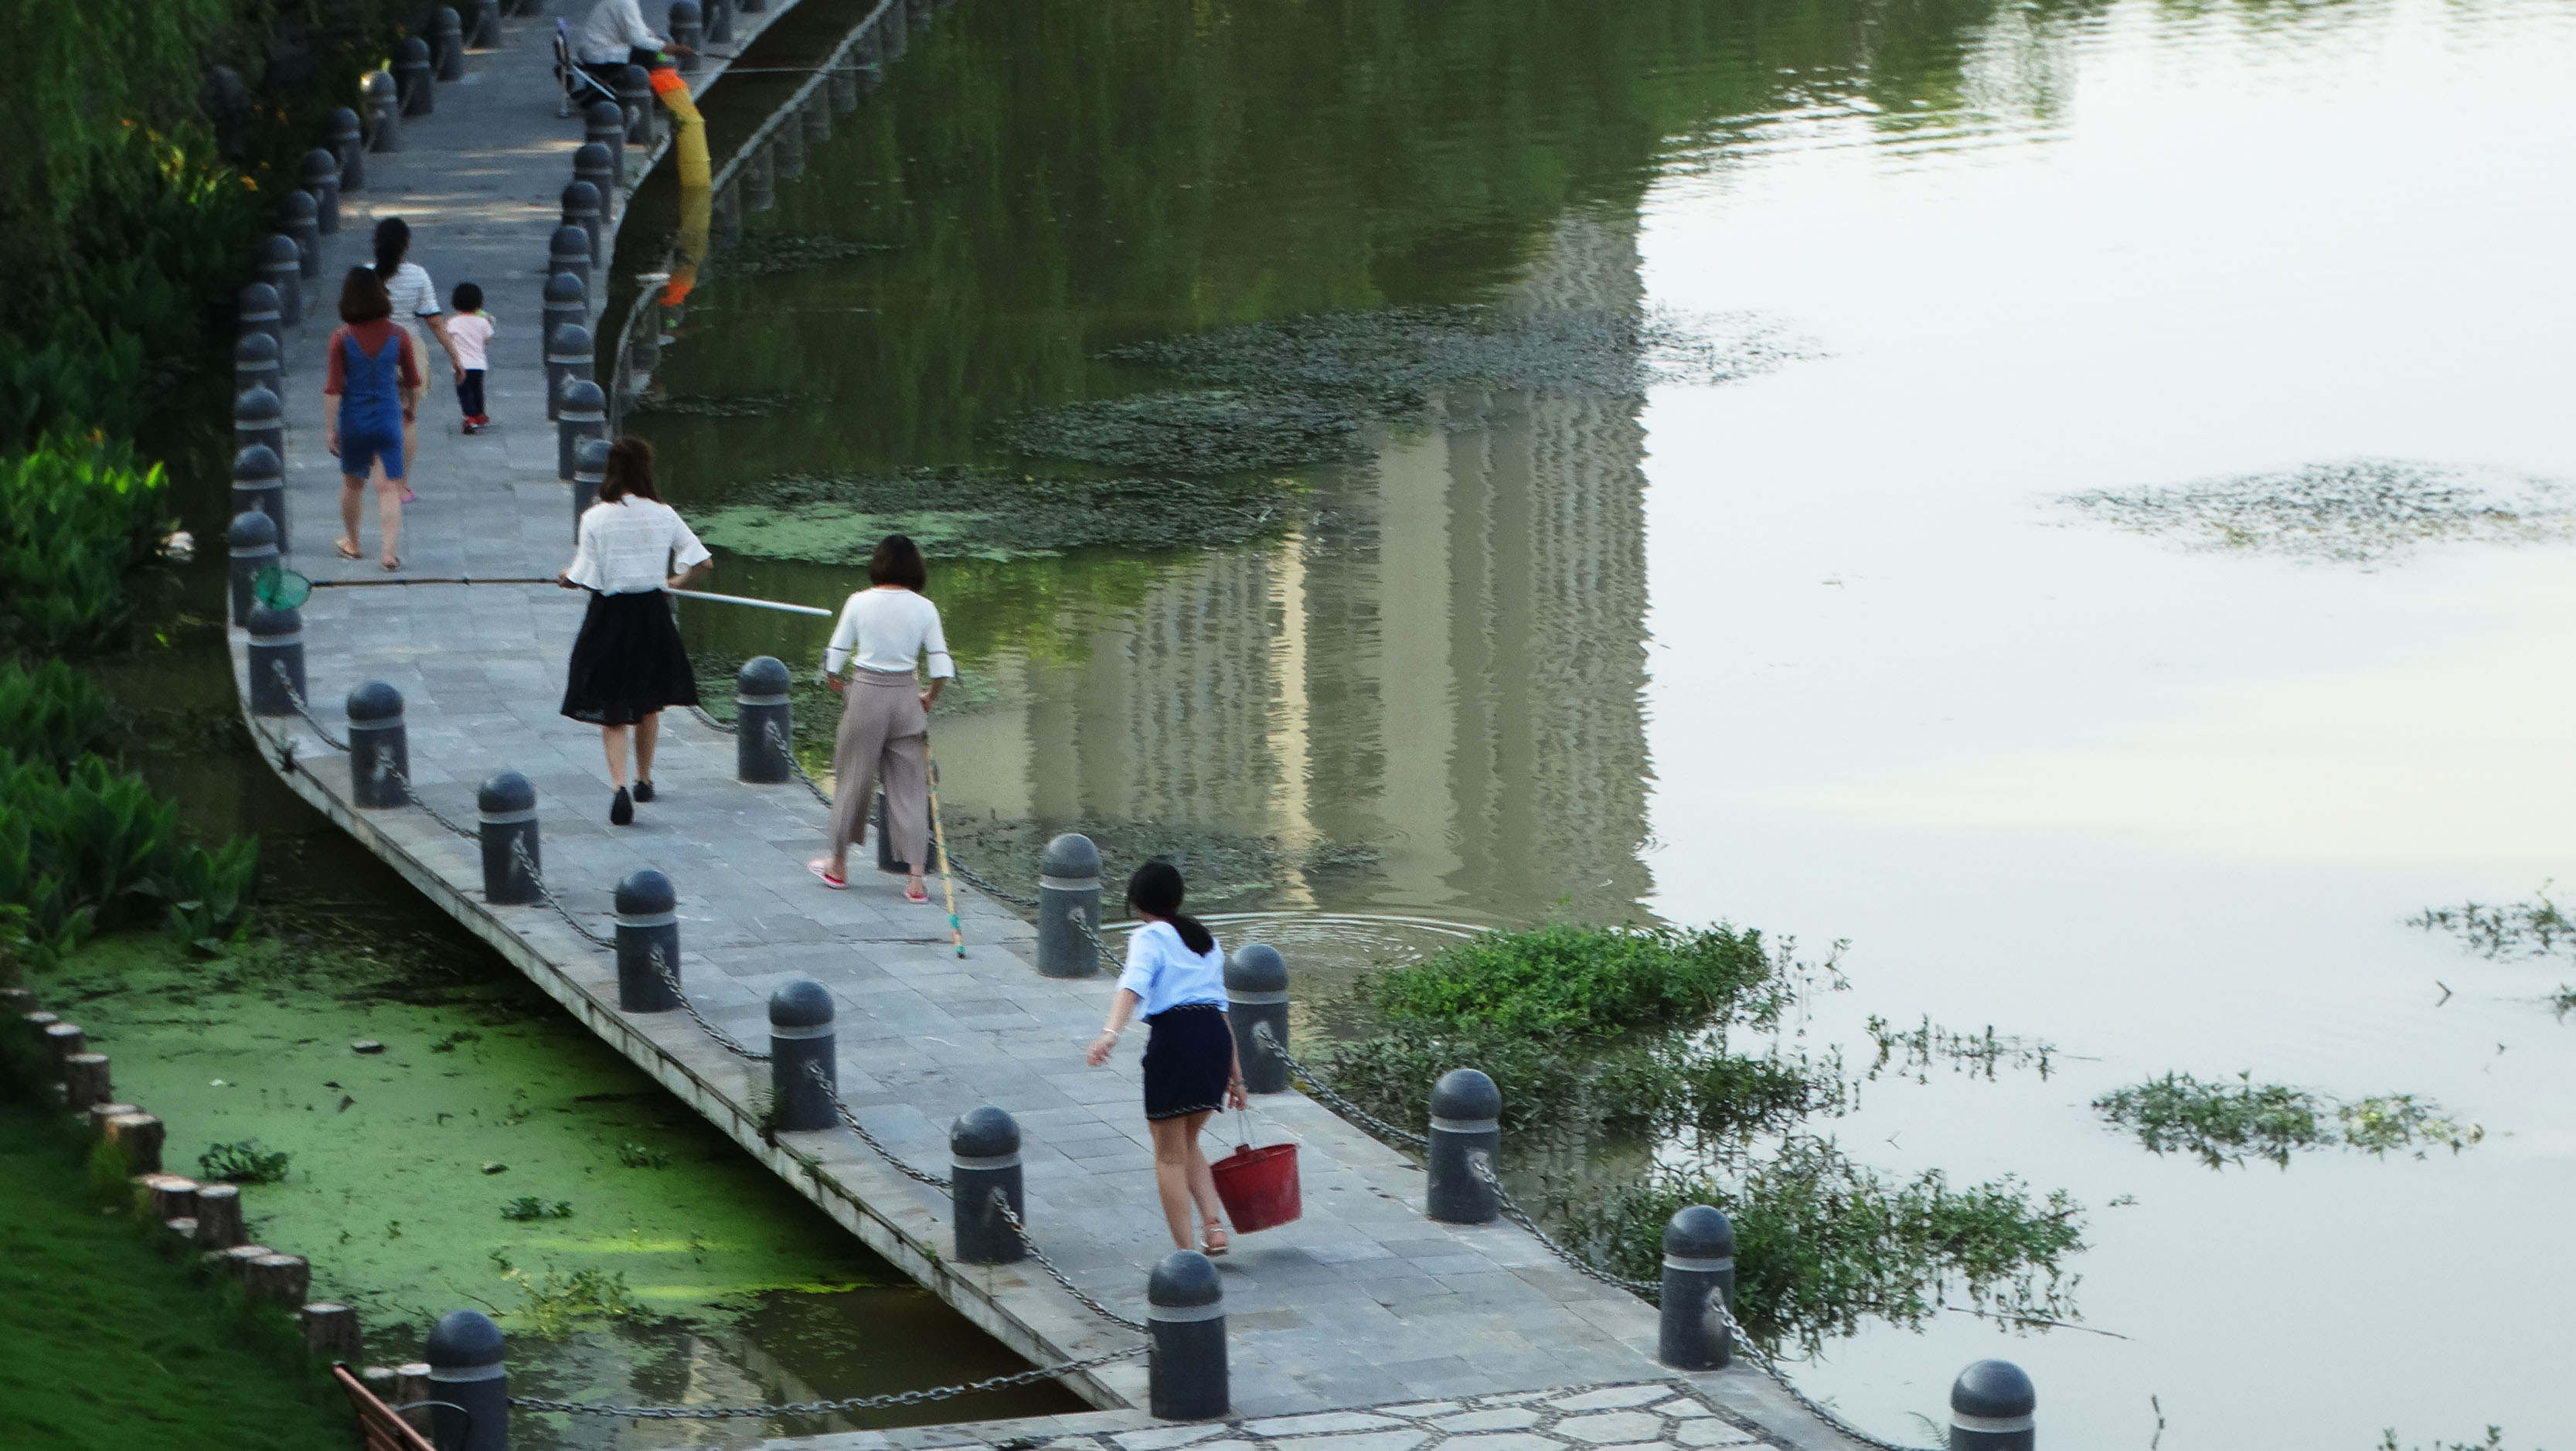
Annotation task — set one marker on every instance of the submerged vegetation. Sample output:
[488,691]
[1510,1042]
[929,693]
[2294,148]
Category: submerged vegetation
[2537,928]
[244,1162]
[2224,1123]
[2354,511]
[1911,1053]
[1223,867]
[990,514]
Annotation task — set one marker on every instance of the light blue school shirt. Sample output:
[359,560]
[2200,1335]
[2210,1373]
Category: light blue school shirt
[1163,971]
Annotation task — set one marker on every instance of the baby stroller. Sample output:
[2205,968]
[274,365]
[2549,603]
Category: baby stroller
[580,87]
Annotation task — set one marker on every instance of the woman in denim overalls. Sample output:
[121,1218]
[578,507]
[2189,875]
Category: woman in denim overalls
[373,375]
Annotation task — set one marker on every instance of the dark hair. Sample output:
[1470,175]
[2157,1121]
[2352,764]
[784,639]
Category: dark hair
[898,561]
[630,470]
[1157,888]
[362,297]
[393,239]
[466,298]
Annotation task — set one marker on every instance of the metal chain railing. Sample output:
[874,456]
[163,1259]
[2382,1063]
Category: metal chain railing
[787,748]
[1081,921]
[1002,1205]
[826,1408]
[385,772]
[852,1122]
[1484,1169]
[711,723]
[671,980]
[295,697]
[979,882]
[1762,1360]
[536,879]
[1324,1094]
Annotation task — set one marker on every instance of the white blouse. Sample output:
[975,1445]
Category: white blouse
[632,545]
[888,630]
[1164,973]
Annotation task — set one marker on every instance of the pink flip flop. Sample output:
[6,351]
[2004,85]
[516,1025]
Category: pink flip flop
[821,867]
[910,895]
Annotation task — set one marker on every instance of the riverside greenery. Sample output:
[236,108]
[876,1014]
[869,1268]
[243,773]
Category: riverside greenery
[1626,1031]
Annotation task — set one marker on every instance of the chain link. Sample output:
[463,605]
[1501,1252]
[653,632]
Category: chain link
[295,697]
[785,747]
[826,1408]
[1649,1290]
[671,980]
[385,772]
[536,879]
[978,881]
[1082,923]
[1771,1368]
[1324,1094]
[1002,1206]
[713,724]
[815,1070]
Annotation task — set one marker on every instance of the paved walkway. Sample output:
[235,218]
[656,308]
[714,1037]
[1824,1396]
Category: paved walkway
[1363,1302]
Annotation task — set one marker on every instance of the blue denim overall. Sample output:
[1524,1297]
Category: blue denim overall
[371,406]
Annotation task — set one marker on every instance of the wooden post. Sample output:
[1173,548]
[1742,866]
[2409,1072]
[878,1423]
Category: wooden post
[85,1081]
[411,1386]
[169,1196]
[39,1020]
[185,1227]
[140,1135]
[219,1216]
[100,1113]
[237,1260]
[283,1278]
[17,1000]
[381,1382]
[330,1331]
[65,1039]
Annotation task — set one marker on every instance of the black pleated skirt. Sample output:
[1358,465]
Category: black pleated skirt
[1188,1061]
[628,661]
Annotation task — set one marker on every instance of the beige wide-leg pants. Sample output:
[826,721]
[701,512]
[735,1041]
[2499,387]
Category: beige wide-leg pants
[884,734]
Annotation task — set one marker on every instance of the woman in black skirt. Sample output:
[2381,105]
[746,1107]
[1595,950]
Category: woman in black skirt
[1175,972]
[627,663]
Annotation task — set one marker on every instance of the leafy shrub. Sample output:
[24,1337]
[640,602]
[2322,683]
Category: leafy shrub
[87,847]
[209,894]
[52,712]
[244,1162]
[1564,978]
[1821,1242]
[73,520]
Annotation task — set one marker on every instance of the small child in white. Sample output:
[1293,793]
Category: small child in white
[468,331]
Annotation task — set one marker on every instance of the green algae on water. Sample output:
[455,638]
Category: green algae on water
[993,515]
[2351,511]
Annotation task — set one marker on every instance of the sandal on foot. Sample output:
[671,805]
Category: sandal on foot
[348,548]
[410,497]
[392,563]
[821,867]
[1215,1241]
[912,893]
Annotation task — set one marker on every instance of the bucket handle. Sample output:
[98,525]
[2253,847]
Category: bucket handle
[1242,1136]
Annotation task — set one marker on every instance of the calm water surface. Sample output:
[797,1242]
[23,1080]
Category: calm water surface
[1814,651]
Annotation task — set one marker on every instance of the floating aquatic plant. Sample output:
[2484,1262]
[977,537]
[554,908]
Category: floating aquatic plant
[2224,1123]
[991,514]
[243,1162]
[640,1156]
[2516,929]
[2350,511]
[528,1207]
[1913,1051]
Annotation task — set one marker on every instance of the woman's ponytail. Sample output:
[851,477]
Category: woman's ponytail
[1157,888]
[393,239]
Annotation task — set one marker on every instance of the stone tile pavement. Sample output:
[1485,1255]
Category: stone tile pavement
[1361,1303]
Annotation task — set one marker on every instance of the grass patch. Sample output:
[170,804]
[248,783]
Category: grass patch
[161,1343]
[2224,1123]
[1588,981]
[992,514]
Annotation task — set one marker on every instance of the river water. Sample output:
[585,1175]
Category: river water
[1820,648]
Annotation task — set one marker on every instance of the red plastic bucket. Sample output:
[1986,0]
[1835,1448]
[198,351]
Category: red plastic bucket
[1259,1187]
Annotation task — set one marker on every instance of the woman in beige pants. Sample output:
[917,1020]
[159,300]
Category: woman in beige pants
[883,633]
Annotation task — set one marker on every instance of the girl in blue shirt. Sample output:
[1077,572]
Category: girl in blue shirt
[1177,975]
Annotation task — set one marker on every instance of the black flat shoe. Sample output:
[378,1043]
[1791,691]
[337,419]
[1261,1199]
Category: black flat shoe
[643,790]
[621,810]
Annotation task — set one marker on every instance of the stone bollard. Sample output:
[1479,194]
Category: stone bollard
[259,482]
[469,1387]
[688,27]
[259,422]
[447,39]
[1185,1323]
[568,252]
[258,306]
[276,644]
[379,747]
[346,137]
[567,301]
[252,539]
[255,364]
[281,266]
[801,1040]
[568,353]
[1991,1406]
[1256,991]
[485,34]
[601,161]
[1699,1279]
[760,180]
[1466,1127]
[635,96]
[719,22]
[584,415]
[506,823]
[384,113]
[85,1081]
[818,117]
[330,1331]
[787,150]
[764,722]
[299,217]
[322,181]
[1068,902]
[589,471]
[581,209]
[648,922]
[983,1159]
[412,73]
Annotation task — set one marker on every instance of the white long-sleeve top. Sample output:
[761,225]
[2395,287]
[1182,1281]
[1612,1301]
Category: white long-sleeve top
[631,545]
[888,630]
[613,28]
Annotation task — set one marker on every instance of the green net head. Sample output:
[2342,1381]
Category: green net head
[280,588]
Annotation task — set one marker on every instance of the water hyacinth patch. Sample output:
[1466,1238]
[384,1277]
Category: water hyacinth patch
[2224,1123]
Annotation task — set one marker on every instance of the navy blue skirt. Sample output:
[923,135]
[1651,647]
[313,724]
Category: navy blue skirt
[1188,1061]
